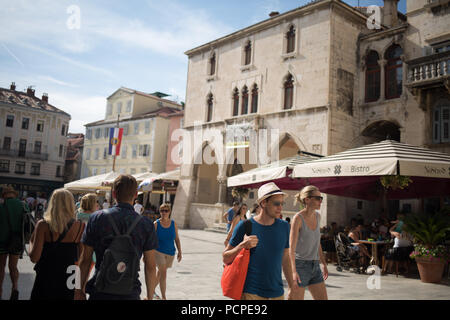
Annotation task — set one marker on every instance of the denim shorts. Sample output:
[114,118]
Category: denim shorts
[309,272]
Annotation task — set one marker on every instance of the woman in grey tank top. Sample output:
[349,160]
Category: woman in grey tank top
[305,249]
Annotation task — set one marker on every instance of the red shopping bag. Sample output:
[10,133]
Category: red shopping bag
[234,275]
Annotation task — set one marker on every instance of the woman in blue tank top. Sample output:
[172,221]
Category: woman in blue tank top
[167,232]
[305,250]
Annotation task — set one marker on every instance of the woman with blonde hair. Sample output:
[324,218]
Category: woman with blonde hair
[54,248]
[88,205]
[304,246]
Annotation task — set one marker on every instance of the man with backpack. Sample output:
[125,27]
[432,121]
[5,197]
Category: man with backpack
[269,248]
[119,237]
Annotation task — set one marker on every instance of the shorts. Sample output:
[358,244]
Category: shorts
[163,259]
[309,272]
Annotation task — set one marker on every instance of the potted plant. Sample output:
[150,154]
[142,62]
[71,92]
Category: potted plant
[430,232]
[239,193]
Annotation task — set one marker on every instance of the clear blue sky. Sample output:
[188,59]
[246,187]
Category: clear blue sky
[135,44]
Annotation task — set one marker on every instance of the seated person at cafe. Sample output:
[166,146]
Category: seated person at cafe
[355,236]
[403,246]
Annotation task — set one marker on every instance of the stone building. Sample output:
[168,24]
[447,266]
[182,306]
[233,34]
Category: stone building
[144,118]
[323,79]
[74,157]
[33,141]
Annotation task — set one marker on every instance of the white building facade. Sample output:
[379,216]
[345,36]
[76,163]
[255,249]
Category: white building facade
[33,142]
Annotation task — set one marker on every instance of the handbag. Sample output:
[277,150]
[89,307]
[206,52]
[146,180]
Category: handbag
[234,274]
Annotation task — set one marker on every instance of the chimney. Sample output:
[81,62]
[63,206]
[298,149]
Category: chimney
[390,13]
[13,86]
[30,91]
[45,97]
[273,14]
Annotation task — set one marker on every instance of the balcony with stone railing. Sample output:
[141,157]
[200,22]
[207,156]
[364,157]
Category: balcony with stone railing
[23,154]
[429,71]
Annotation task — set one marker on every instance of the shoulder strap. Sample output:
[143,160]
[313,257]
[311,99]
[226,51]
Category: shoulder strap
[111,220]
[133,225]
[62,235]
[248,227]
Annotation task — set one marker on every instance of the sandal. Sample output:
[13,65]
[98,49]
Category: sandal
[156,297]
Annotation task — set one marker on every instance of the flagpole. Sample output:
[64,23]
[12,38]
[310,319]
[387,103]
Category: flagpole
[114,159]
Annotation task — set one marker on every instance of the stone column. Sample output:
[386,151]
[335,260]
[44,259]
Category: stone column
[222,188]
[382,80]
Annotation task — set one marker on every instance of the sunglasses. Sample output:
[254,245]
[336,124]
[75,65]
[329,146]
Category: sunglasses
[278,203]
[320,198]
[164,210]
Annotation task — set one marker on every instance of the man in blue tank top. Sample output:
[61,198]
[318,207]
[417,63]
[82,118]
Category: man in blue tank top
[269,244]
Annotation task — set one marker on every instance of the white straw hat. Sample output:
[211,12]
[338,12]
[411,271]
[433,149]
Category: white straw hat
[268,190]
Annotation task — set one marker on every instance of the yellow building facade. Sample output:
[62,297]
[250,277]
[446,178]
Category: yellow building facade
[145,124]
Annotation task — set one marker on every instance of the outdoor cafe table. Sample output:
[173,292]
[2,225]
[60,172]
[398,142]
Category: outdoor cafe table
[374,245]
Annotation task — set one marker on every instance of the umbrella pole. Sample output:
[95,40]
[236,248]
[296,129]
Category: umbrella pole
[385,212]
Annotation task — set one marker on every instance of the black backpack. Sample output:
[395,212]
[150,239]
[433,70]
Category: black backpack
[120,266]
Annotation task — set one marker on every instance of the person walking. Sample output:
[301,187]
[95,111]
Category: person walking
[240,215]
[107,225]
[269,248]
[105,204]
[54,248]
[305,249]
[138,207]
[167,232]
[88,205]
[229,215]
[11,241]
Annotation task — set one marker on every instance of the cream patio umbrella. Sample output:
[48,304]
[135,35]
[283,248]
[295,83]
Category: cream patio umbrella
[98,182]
[357,172]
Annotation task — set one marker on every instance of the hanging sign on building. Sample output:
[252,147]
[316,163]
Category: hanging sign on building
[238,135]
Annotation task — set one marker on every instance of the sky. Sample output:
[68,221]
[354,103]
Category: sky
[80,51]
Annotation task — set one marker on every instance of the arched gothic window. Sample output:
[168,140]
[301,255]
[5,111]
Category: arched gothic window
[290,40]
[393,72]
[254,108]
[373,71]
[288,92]
[209,107]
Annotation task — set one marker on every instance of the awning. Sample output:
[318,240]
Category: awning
[144,175]
[98,182]
[277,171]
[356,172]
[146,184]
[384,158]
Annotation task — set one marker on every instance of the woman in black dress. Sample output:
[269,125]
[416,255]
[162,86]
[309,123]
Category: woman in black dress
[55,246]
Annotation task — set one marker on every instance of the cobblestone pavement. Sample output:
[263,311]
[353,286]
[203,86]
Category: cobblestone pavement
[197,277]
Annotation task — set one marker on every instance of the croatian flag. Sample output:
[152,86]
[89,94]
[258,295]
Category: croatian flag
[115,138]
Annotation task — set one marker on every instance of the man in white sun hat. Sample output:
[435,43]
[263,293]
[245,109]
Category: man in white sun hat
[269,244]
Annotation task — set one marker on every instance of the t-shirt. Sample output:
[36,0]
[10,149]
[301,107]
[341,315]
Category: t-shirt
[99,234]
[138,208]
[264,269]
[16,209]
[230,215]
